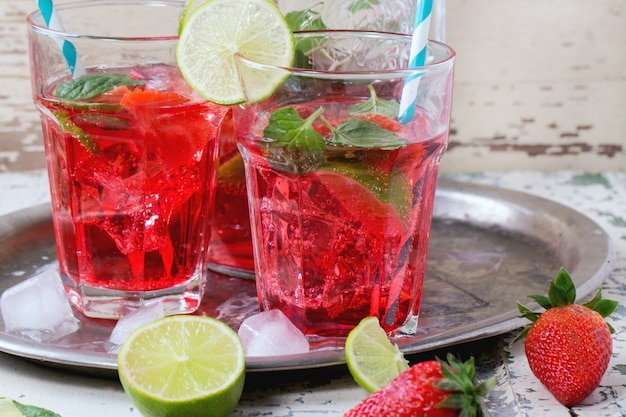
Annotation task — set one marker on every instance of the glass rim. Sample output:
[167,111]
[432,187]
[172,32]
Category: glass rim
[446,60]
[36,22]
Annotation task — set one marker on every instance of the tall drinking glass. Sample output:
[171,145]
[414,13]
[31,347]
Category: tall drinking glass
[131,153]
[231,241]
[340,188]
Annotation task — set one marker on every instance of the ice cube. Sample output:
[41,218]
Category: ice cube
[132,321]
[270,333]
[38,308]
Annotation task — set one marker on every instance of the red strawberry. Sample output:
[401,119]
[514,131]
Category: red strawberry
[569,345]
[433,388]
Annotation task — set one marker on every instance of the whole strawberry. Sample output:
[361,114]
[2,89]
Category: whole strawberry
[569,345]
[432,388]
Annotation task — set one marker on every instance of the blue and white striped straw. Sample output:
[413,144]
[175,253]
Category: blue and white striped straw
[417,58]
[50,17]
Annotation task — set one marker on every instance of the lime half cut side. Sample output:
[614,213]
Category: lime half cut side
[372,359]
[219,34]
[183,366]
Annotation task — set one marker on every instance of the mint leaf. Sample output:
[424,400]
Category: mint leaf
[298,148]
[375,105]
[307,19]
[91,85]
[364,134]
[358,5]
[32,411]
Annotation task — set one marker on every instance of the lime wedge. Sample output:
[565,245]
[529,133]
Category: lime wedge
[219,35]
[183,366]
[8,408]
[392,189]
[372,359]
[232,171]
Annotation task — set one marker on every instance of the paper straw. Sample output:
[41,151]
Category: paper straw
[50,17]
[417,58]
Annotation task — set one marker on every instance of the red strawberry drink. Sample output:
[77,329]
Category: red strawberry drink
[231,239]
[131,155]
[341,192]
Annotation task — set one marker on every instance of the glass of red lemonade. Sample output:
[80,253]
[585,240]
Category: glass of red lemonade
[131,153]
[341,180]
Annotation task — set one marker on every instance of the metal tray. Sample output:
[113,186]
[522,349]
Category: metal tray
[489,248]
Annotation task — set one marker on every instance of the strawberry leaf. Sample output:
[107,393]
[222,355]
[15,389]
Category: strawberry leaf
[527,313]
[542,300]
[604,307]
[564,281]
[558,296]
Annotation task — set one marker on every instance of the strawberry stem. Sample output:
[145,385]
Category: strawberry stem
[459,378]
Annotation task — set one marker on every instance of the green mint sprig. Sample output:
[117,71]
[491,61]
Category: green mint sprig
[299,149]
[361,133]
[32,411]
[307,19]
[358,5]
[86,87]
[92,85]
[375,105]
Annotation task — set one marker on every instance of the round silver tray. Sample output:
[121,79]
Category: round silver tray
[489,248]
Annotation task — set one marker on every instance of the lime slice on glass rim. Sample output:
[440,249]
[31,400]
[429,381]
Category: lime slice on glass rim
[189,7]
[218,34]
[372,359]
[184,366]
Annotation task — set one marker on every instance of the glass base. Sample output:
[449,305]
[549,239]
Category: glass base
[105,303]
[231,271]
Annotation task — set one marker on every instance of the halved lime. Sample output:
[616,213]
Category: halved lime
[372,359]
[183,366]
[219,34]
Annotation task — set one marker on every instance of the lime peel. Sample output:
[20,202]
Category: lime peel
[372,359]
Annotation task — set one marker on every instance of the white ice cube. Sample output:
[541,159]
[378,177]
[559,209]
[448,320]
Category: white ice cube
[270,333]
[132,321]
[38,308]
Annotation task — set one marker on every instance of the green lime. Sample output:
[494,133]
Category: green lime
[219,34]
[372,359]
[393,189]
[232,171]
[8,408]
[189,7]
[183,366]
